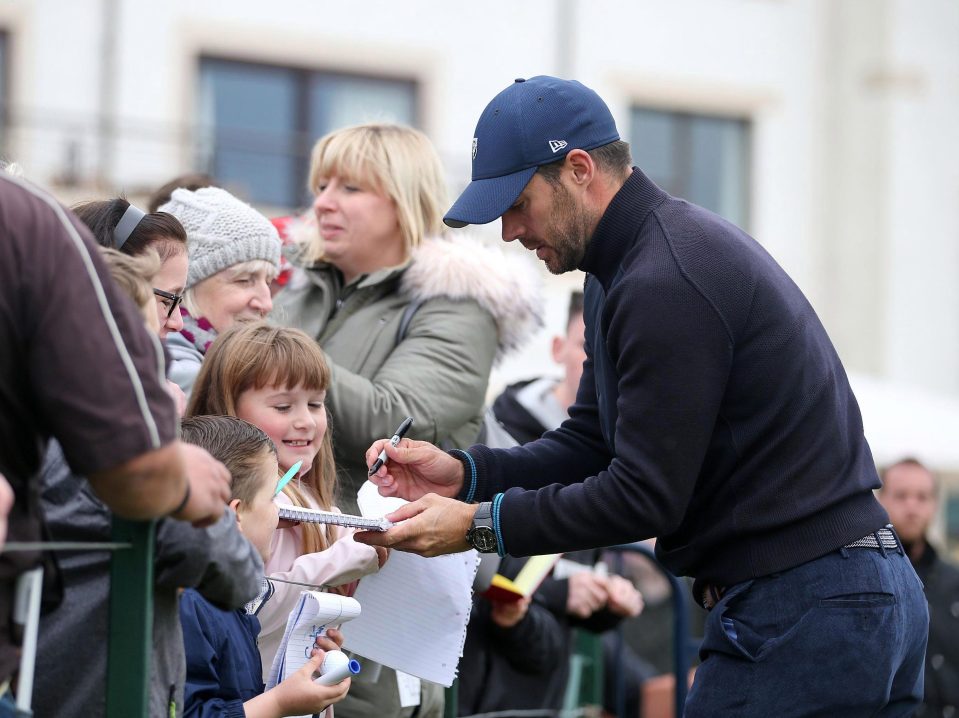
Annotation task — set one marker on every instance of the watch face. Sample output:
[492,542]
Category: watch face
[483,539]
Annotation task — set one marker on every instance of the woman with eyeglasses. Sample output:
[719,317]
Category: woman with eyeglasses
[217,560]
[118,224]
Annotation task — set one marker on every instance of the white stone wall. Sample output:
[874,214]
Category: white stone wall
[854,105]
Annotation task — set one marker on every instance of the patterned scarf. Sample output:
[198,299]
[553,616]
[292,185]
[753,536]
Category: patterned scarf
[197,331]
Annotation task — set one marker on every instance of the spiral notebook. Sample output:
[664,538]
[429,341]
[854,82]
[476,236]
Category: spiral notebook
[314,612]
[316,516]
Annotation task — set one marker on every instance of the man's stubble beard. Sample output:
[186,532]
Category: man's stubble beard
[569,232]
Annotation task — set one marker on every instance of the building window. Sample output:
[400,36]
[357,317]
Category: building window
[701,158]
[259,122]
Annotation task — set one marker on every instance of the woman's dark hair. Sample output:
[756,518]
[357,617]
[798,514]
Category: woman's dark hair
[159,231]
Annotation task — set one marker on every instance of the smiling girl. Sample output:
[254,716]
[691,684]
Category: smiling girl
[276,379]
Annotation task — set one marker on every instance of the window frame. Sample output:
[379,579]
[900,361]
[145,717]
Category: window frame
[683,118]
[300,138]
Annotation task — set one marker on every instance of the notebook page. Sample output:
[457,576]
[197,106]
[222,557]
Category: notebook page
[415,610]
[314,612]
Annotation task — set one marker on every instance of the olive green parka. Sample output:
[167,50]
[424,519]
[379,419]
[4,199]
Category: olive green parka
[474,304]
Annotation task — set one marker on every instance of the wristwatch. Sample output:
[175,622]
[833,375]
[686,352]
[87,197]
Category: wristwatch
[481,535]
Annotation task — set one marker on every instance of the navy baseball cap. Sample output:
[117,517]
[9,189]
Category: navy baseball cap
[531,123]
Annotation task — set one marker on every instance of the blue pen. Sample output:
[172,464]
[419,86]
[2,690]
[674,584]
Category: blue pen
[400,432]
[287,477]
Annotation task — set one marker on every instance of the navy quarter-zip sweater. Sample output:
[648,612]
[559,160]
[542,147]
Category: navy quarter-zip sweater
[713,412]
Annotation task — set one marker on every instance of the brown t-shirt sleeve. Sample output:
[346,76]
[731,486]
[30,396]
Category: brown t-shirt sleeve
[94,368]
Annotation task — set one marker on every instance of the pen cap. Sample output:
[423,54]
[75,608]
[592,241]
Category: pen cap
[404,427]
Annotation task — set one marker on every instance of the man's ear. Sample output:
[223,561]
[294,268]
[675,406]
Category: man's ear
[581,167]
[557,349]
[235,504]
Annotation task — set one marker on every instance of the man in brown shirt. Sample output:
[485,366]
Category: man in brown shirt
[78,364]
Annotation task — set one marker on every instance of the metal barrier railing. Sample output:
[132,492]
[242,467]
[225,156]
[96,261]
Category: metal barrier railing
[131,616]
[131,619]
[681,638]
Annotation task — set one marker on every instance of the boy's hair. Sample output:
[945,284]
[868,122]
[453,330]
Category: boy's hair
[134,275]
[253,355]
[238,444]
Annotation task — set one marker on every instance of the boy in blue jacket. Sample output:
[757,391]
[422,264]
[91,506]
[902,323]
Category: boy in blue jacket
[223,672]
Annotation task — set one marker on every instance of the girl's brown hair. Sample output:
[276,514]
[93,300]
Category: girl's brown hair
[255,355]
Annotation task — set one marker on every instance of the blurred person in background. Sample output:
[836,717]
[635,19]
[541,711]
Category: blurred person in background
[513,653]
[910,493]
[410,320]
[234,254]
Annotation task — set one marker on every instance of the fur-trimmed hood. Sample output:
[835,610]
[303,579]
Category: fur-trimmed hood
[463,267]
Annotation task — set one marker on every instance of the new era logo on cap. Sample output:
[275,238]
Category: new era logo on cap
[520,130]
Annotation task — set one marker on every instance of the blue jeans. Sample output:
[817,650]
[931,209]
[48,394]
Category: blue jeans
[841,636]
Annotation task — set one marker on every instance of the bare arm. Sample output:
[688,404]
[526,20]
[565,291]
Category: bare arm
[155,483]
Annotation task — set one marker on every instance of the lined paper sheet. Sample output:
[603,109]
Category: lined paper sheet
[415,610]
[314,612]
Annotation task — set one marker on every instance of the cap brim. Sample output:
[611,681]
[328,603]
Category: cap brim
[487,199]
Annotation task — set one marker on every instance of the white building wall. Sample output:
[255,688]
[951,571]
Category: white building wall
[921,323]
[854,107]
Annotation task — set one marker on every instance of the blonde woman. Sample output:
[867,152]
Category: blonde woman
[411,321]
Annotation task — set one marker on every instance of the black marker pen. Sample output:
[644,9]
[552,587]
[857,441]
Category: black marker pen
[400,432]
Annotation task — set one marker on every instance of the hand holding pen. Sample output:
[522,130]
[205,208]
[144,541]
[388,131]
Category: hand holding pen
[397,435]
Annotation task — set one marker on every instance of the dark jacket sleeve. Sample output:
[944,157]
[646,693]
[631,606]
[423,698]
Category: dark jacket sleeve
[200,693]
[534,645]
[217,560]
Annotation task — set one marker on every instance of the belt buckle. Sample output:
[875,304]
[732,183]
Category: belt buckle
[712,595]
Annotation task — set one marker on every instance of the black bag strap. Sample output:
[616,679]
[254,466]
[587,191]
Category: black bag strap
[407,317]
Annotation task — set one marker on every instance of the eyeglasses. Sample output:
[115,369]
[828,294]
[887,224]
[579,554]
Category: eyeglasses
[169,300]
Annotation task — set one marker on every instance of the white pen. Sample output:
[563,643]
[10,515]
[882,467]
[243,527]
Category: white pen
[400,432]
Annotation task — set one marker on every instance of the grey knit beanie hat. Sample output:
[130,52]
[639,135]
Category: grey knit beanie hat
[221,231]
